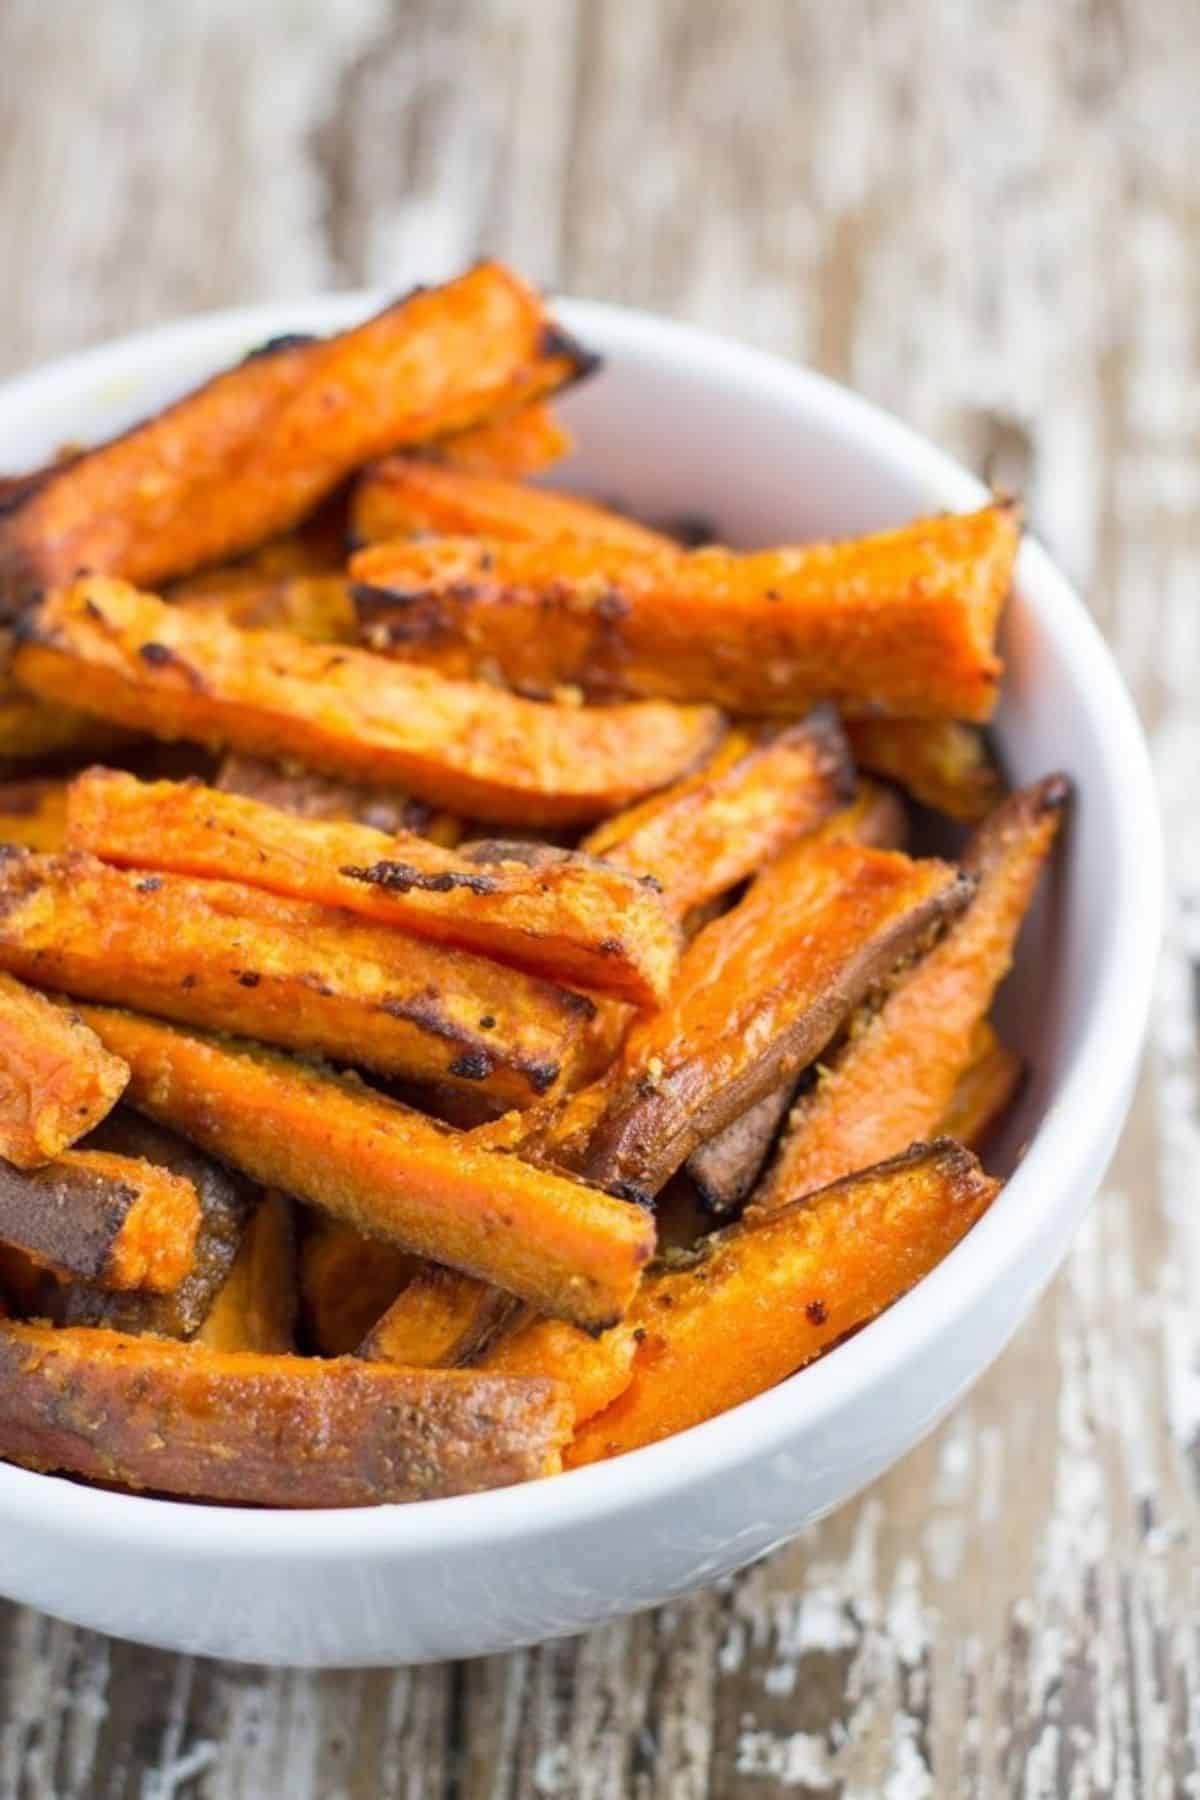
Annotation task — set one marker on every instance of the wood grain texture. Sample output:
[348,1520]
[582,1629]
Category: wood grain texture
[985,216]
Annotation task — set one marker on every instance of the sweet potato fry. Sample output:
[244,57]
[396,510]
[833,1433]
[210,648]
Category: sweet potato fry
[983,1091]
[114,1220]
[403,496]
[568,1249]
[759,994]
[492,755]
[256,1309]
[894,1080]
[759,1302]
[875,818]
[902,623]
[56,1078]
[316,607]
[594,1370]
[347,1282]
[234,958]
[33,814]
[263,1430]
[253,450]
[566,917]
[308,796]
[940,762]
[442,1319]
[514,444]
[224,1202]
[316,546]
[714,829]
[35,729]
[726,1168]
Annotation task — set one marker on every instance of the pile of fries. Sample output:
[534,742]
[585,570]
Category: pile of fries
[505,1027]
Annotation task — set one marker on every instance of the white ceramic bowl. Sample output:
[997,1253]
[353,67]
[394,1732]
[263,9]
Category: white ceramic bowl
[680,422]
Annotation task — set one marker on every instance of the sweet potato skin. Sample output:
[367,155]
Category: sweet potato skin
[468,746]
[253,450]
[405,495]
[56,1079]
[895,1078]
[230,957]
[567,918]
[940,762]
[768,1299]
[568,1249]
[902,623]
[759,994]
[260,1430]
[257,1307]
[726,1167]
[105,1218]
[441,1320]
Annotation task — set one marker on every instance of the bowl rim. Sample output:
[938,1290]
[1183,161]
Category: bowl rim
[1091,1089]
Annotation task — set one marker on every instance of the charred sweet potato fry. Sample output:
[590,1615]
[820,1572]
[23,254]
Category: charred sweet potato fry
[56,1078]
[253,450]
[406,495]
[33,814]
[895,1077]
[712,830]
[347,1282]
[114,1220]
[130,658]
[308,796]
[983,1091]
[760,1301]
[566,917]
[225,1205]
[568,1249]
[263,1430]
[442,1319]
[903,623]
[256,1308]
[759,994]
[940,762]
[234,958]
[512,445]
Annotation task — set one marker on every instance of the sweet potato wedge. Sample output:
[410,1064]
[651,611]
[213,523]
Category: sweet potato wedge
[512,445]
[758,1302]
[403,496]
[253,450]
[308,796]
[257,1307]
[33,729]
[759,994]
[225,1206]
[442,1319]
[234,958]
[347,1282]
[983,1091]
[727,1167]
[316,546]
[894,1079]
[260,1430]
[716,828]
[33,814]
[319,608]
[114,1220]
[568,1249]
[940,762]
[56,1078]
[128,657]
[903,623]
[566,917]
[594,1370]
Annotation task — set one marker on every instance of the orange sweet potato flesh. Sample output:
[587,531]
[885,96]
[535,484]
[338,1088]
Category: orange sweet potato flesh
[903,623]
[34,729]
[983,1091]
[110,1219]
[759,994]
[940,762]
[56,1078]
[309,796]
[569,918]
[464,745]
[895,1078]
[405,495]
[347,1282]
[262,1430]
[594,1370]
[256,1308]
[514,444]
[767,1299]
[443,1319]
[712,831]
[234,958]
[567,1248]
[33,814]
[317,607]
[253,450]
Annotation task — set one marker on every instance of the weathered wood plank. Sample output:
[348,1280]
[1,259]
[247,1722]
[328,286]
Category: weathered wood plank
[985,218]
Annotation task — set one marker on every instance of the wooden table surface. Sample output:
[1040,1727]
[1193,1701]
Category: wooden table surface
[985,215]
